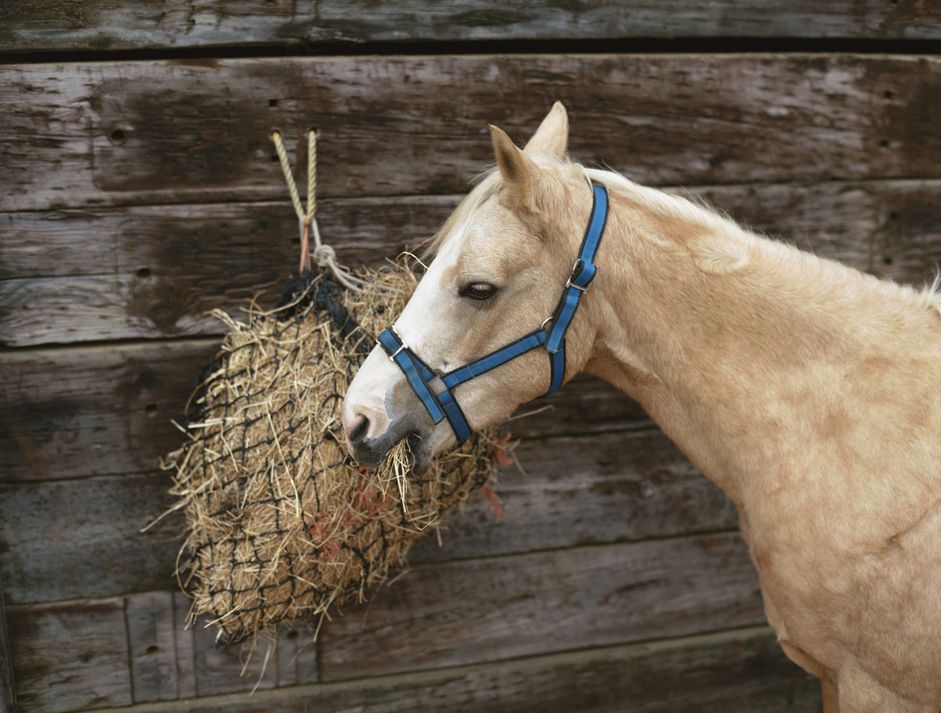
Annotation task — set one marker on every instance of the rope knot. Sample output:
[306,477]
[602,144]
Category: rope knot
[325,256]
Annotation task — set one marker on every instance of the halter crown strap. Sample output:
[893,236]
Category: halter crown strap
[443,404]
[583,272]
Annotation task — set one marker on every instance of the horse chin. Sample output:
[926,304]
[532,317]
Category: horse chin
[420,452]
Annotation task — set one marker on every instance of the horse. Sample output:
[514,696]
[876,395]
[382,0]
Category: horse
[808,391]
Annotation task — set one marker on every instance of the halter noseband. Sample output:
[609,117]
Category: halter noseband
[443,404]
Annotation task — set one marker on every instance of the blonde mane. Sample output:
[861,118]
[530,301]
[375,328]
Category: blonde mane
[717,243]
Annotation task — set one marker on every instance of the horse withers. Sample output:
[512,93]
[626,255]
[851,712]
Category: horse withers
[807,390]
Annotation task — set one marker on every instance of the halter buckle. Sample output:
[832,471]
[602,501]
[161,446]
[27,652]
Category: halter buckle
[576,268]
[402,345]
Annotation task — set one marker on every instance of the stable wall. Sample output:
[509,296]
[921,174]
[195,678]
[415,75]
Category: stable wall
[138,189]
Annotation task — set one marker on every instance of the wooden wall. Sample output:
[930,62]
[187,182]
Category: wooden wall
[138,189]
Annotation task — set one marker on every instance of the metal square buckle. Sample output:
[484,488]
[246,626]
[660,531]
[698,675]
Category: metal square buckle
[402,345]
[576,268]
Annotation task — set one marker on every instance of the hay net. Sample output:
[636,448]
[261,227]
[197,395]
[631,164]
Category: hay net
[281,524]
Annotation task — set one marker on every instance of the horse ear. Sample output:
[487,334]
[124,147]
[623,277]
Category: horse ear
[516,168]
[552,136]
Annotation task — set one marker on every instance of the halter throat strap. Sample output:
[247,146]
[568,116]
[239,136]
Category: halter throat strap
[442,404]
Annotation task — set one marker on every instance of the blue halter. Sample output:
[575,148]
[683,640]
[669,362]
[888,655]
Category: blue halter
[443,404]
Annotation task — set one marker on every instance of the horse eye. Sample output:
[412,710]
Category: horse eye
[478,291]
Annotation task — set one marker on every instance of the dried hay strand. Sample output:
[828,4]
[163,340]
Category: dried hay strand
[282,524]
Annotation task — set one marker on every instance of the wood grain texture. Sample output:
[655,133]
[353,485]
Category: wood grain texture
[151,635]
[7,687]
[84,654]
[230,670]
[166,266]
[70,539]
[184,646]
[70,656]
[170,660]
[197,130]
[732,672]
[613,487]
[109,410]
[101,25]
[595,489]
[96,410]
[88,654]
[506,607]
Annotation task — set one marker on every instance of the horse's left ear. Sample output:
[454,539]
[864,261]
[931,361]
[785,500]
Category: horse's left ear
[552,136]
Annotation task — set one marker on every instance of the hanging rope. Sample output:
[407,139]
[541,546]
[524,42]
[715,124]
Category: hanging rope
[323,255]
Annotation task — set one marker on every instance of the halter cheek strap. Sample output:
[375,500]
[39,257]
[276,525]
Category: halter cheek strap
[550,336]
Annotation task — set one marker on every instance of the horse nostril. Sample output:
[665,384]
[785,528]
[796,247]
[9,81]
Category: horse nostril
[358,433]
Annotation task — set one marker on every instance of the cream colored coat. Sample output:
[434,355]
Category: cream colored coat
[808,391]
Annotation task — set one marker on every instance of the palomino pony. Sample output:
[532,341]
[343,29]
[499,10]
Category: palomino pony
[808,391]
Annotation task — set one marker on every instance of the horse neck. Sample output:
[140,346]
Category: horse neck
[725,337]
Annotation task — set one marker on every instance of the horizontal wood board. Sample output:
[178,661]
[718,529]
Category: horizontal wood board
[730,672]
[577,490]
[151,272]
[107,652]
[725,673]
[82,135]
[102,25]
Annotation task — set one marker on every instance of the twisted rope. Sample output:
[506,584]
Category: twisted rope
[324,256]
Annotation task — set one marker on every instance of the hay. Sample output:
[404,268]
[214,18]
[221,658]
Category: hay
[282,524]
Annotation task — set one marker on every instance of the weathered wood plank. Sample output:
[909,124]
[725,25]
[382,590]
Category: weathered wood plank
[151,636]
[169,662]
[732,672]
[7,688]
[218,243]
[579,491]
[488,609]
[184,646]
[123,24]
[74,655]
[232,249]
[606,488]
[297,657]
[79,651]
[166,266]
[188,130]
[205,670]
[94,411]
[116,402]
[71,539]
[230,670]
[70,656]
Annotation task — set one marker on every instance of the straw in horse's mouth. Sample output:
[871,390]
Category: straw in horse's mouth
[412,446]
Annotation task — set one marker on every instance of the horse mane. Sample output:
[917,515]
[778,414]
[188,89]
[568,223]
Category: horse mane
[485,185]
[735,242]
[720,246]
